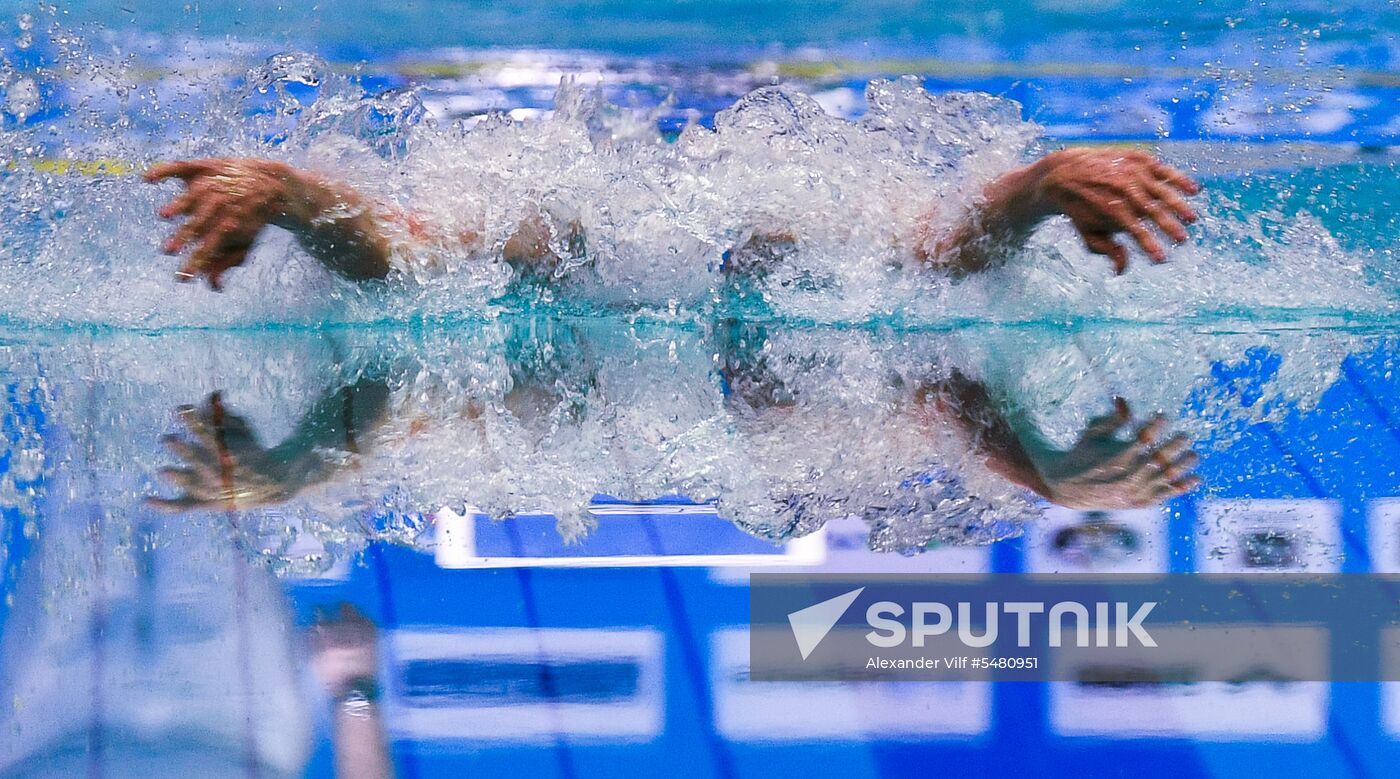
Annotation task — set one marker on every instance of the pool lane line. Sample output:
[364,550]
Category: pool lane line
[101,167]
[63,166]
[694,658]
[620,69]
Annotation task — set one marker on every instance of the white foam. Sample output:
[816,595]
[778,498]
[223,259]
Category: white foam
[656,218]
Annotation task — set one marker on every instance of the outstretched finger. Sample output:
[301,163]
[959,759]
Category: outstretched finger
[1148,434]
[1181,467]
[1103,243]
[232,259]
[182,449]
[1150,208]
[1171,198]
[183,204]
[174,505]
[184,169]
[1172,449]
[1144,237]
[195,457]
[1178,487]
[184,478]
[193,228]
[193,266]
[1175,177]
[212,256]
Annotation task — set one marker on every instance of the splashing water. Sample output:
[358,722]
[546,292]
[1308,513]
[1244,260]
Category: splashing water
[655,217]
[785,428]
[643,221]
[813,386]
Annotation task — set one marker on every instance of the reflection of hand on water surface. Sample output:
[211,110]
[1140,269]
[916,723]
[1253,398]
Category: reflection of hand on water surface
[1102,471]
[223,464]
[784,427]
[1098,471]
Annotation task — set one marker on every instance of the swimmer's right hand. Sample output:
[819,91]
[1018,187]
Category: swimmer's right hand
[1107,192]
[226,204]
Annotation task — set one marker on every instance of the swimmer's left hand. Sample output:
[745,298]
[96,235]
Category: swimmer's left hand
[222,464]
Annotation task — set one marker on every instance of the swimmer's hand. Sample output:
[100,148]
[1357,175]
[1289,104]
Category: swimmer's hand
[227,203]
[1103,472]
[1105,192]
[223,465]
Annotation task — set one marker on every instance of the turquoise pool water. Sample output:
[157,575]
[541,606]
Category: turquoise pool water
[537,505]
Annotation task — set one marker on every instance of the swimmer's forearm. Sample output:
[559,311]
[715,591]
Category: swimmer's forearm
[346,231]
[1003,218]
[336,225]
[1007,452]
[335,424]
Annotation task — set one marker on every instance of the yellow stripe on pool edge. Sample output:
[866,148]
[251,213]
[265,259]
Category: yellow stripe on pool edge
[66,167]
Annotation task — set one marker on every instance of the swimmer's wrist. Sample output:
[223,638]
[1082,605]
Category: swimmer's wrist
[1032,204]
[297,204]
[1016,202]
[298,467]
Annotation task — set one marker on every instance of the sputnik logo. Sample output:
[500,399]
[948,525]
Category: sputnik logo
[810,625]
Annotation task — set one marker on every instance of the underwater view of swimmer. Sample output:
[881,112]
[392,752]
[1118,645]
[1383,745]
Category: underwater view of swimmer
[792,429]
